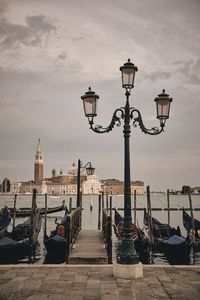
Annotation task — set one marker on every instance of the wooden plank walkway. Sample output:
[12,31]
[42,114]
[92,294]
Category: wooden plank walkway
[89,248]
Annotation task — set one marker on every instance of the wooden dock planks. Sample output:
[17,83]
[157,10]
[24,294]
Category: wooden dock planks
[89,248]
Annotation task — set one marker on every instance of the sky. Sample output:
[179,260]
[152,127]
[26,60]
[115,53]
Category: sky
[52,51]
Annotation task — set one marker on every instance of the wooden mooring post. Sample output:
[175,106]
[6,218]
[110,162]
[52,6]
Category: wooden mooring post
[99,212]
[135,206]
[107,201]
[32,233]
[70,204]
[14,211]
[150,226]
[102,195]
[111,208]
[107,232]
[193,231]
[45,218]
[168,207]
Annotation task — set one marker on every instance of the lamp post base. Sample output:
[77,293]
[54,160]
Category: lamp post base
[128,271]
[126,253]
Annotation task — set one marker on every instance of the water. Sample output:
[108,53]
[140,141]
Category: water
[90,217]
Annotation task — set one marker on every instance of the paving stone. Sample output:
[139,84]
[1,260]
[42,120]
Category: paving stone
[97,282]
[94,292]
[57,297]
[80,278]
[38,297]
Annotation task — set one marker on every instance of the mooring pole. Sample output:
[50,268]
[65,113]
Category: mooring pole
[134,206]
[150,227]
[168,207]
[14,210]
[70,203]
[99,212]
[102,200]
[45,220]
[107,201]
[111,209]
[192,217]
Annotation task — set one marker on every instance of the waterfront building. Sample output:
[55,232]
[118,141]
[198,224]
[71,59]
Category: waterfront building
[91,185]
[66,184]
[116,187]
[61,184]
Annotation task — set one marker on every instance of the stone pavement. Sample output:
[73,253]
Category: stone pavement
[92,282]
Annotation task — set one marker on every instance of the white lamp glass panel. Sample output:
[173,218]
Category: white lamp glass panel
[127,77]
[163,108]
[90,105]
[90,171]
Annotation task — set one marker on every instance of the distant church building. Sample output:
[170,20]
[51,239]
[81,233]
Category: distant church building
[66,184]
[38,165]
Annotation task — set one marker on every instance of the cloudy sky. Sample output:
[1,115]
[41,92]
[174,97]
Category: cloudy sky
[51,51]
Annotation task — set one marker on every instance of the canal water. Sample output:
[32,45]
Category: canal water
[90,217]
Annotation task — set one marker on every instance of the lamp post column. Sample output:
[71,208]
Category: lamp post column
[127,253]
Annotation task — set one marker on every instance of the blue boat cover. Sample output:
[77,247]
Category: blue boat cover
[187,222]
[118,218]
[175,240]
[5,219]
[6,241]
[58,238]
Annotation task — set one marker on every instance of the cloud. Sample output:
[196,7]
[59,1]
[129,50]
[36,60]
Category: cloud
[158,75]
[15,35]
[190,70]
[62,55]
[3,7]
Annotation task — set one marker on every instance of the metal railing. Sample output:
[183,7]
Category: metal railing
[73,226]
[107,232]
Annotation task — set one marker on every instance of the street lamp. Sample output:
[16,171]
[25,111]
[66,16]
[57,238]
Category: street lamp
[89,170]
[126,253]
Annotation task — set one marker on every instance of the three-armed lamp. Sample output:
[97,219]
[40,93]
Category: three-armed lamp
[126,253]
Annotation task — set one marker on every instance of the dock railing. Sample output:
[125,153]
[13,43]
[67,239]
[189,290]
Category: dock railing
[73,226]
[107,232]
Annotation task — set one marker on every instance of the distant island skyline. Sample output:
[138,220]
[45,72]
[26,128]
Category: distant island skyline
[51,52]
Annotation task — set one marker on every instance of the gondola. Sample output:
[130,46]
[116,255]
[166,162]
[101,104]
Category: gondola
[55,243]
[26,212]
[169,241]
[21,241]
[4,221]
[141,242]
[188,224]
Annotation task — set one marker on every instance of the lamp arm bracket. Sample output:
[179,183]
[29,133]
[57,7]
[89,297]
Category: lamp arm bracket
[137,120]
[116,120]
[82,168]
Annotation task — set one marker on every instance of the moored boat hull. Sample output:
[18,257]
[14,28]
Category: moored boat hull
[12,251]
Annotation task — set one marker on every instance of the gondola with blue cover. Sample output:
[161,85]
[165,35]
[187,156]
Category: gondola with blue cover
[169,241]
[55,243]
[188,224]
[21,241]
[4,221]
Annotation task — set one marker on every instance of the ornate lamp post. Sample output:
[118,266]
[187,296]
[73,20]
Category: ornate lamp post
[89,170]
[126,252]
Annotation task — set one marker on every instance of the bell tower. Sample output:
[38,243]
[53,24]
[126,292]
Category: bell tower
[38,165]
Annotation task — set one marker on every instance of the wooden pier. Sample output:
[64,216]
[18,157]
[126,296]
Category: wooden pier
[89,248]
